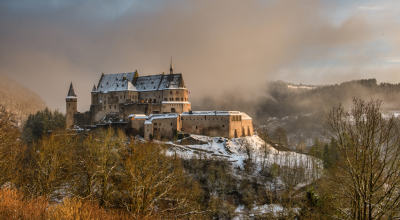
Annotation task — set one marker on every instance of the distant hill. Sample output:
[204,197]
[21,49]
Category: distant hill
[18,99]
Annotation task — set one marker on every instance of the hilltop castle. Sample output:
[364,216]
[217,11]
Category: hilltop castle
[152,105]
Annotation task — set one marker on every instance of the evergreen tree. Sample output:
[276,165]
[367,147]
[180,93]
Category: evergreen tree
[327,157]
[43,121]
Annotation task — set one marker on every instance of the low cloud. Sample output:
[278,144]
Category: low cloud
[221,48]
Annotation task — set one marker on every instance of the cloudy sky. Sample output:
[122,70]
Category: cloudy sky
[219,45]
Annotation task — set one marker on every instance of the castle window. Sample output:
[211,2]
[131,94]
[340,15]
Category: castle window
[159,124]
[176,99]
[170,92]
[196,127]
[144,87]
[110,106]
[223,126]
[115,106]
[69,104]
[155,123]
[181,99]
[124,96]
[171,124]
[165,99]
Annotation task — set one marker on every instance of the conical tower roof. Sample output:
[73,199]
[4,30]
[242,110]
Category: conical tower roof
[71,92]
[94,88]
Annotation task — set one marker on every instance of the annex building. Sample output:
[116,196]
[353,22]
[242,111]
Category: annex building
[152,105]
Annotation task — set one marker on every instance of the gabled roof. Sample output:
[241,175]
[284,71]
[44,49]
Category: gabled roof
[116,82]
[71,92]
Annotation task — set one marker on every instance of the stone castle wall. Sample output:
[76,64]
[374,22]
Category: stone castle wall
[214,126]
[162,128]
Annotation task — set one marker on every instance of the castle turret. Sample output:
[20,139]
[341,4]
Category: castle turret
[94,96]
[72,104]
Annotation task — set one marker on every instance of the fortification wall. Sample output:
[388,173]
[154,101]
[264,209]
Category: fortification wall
[214,126]
[162,128]
[248,127]
[176,107]
[82,119]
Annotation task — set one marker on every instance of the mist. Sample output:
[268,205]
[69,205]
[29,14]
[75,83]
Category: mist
[226,50]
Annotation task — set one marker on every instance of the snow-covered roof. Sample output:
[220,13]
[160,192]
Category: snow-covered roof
[116,82]
[125,86]
[71,97]
[211,113]
[160,116]
[138,116]
[245,116]
[174,102]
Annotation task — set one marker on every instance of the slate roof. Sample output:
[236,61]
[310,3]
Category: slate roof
[71,92]
[116,82]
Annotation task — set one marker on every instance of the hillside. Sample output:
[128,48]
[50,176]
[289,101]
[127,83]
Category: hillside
[296,170]
[18,99]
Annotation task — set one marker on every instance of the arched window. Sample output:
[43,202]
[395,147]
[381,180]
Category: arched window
[196,127]
[154,100]
[69,104]
[172,109]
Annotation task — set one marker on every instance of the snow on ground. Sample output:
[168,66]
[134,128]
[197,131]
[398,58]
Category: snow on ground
[274,210]
[234,150]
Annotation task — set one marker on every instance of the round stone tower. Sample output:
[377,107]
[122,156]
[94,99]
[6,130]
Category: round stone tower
[72,105]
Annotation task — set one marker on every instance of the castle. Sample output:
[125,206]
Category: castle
[154,105]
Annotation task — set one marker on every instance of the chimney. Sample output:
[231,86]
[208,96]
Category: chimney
[124,78]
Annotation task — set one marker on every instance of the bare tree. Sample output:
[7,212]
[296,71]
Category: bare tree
[367,178]
[156,184]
